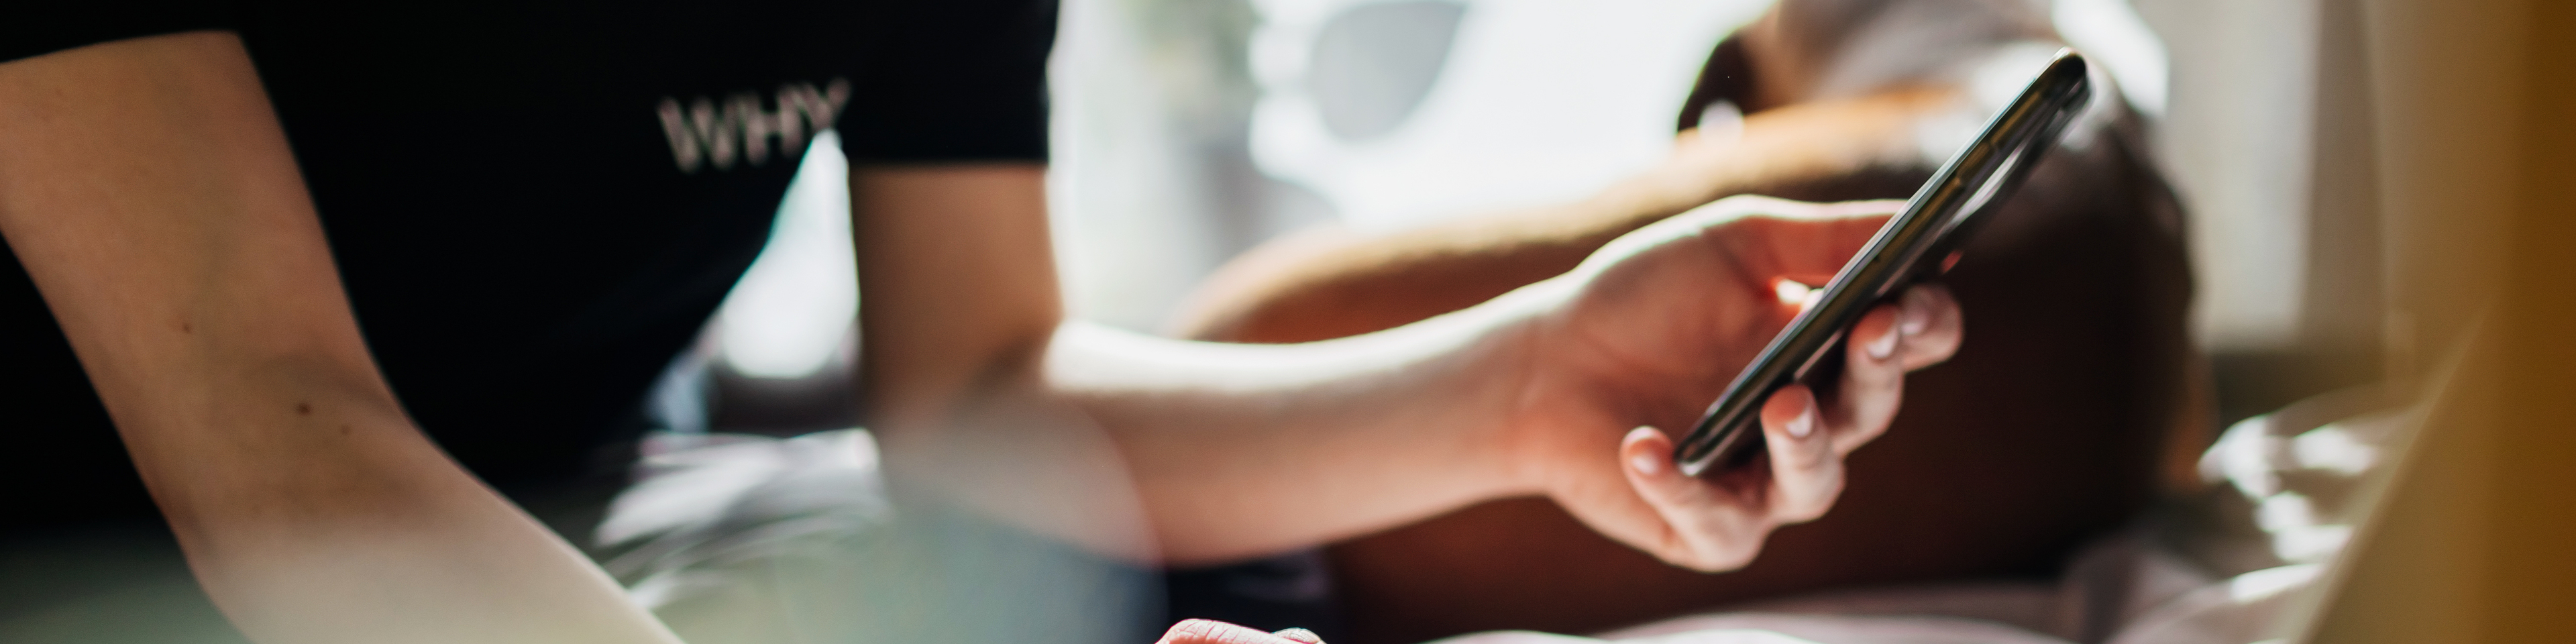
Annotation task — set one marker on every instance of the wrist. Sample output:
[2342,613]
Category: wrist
[1518,390]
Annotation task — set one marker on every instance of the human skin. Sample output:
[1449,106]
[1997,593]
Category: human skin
[149,191]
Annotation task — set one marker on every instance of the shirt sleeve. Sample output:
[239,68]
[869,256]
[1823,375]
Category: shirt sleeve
[955,80]
[32,29]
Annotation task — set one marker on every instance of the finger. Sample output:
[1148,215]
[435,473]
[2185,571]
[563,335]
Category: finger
[1877,333]
[1208,631]
[1873,380]
[1609,500]
[1806,470]
[1704,527]
[1932,324]
[1300,635]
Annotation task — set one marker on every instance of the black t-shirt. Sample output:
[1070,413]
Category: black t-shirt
[534,205]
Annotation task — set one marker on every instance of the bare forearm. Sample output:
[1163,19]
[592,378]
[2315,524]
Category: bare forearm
[1240,450]
[332,520]
[312,511]
[147,187]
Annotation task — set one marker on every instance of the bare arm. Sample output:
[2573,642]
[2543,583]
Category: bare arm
[963,330]
[1237,450]
[150,193]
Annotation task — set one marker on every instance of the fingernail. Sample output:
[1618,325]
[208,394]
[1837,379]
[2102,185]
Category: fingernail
[1299,634]
[1804,424]
[1884,346]
[1916,313]
[1646,463]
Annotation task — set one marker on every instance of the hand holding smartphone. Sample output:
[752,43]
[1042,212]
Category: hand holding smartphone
[1911,245]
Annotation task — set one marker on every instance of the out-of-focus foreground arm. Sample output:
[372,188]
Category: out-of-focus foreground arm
[148,189]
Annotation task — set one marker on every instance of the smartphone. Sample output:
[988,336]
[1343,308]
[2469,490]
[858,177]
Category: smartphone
[1916,243]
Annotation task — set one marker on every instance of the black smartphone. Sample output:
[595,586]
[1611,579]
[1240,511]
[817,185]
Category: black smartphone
[1917,242]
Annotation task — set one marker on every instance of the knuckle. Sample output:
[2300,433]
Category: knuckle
[1697,561]
[1820,459]
[1673,548]
[1724,552]
[1805,512]
[1862,435]
[1811,464]
[1694,560]
[1814,506]
[1734,555]
[1703,565]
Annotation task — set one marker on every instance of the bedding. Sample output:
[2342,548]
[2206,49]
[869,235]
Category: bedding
[742,539]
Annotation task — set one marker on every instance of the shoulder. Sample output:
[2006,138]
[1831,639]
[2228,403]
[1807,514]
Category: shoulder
[33,29]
